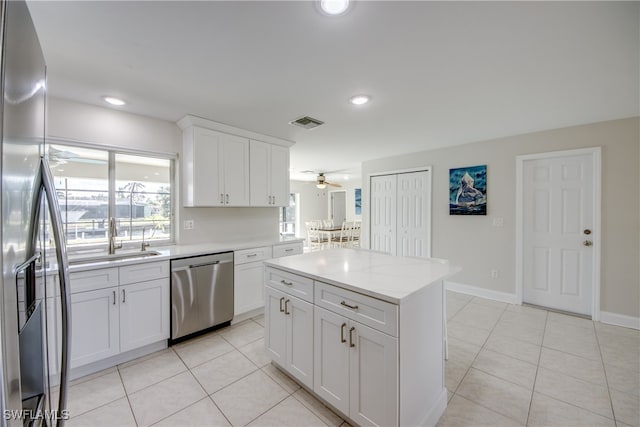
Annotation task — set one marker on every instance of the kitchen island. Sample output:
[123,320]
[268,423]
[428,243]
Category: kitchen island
[361,330]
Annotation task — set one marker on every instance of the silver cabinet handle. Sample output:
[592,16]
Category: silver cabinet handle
[284,282]
[351,343]
[114,297]
[227,198]
[342,339]
[281,301]
[124,297]
[288,250]
[286,307]
[252,255]
[352,307]
[221,198]
[273,200]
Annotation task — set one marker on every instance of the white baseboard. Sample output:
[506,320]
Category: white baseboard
[620,320]
[477,291]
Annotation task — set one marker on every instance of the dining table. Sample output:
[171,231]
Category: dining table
[328,232]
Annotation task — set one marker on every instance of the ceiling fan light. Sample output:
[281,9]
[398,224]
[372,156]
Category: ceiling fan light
[321,186]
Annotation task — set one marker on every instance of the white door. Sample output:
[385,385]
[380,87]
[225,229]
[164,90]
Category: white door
[413,214]
[331,358]
[383,213]
[373,376]
[558,222]
[144,313]
[338,207]
[300,340]
[275,327]
[94,326]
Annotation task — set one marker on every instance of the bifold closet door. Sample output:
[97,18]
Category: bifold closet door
[401,214]
[383,213]
[413,214]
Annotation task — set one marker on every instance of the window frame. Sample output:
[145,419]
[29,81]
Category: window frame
[112,151]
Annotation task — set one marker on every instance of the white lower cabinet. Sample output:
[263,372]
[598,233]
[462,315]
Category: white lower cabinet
[143,316]
[289,334]
[356,369]
[112,320]
[95,324]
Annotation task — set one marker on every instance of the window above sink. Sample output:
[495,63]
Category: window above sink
[95,183]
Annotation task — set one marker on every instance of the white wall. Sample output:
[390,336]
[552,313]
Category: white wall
[473,243]
[313,203]
[105,126]
[349,187]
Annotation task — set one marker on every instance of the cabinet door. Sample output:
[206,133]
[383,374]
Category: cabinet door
[248,287]
[260,154]
[94,326]
[299,340]
[275,326]
[279,175]
[203,183]
[373,377]
[144,313]
[383,214]
[331,358]
[235,170]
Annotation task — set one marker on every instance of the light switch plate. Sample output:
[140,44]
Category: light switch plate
[188,224]
[498,222]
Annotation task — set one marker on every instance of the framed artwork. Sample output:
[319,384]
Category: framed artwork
[358,199]
[468,190]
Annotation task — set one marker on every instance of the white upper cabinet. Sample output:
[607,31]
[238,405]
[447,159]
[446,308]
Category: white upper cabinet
[222,168]
[269,174]
[216,168]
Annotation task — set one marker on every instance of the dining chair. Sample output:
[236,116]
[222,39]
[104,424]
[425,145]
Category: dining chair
[355,234]
[343,238]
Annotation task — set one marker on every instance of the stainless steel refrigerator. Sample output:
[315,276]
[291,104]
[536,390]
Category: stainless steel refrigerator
[33,374]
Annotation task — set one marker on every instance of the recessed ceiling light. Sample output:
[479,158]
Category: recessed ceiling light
[113,101]
[334,7]
[359,99]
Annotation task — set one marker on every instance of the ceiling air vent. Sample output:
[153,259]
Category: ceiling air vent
[306,122]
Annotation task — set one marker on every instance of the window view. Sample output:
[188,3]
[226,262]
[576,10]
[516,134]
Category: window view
[288,217]
[137,195]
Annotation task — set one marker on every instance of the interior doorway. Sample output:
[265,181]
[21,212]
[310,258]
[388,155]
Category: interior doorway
[338,207]
[558,230]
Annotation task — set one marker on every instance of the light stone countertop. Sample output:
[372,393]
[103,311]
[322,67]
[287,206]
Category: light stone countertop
[386,277]
[165,253]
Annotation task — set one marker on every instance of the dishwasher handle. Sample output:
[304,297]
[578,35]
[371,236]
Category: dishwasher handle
[204,264]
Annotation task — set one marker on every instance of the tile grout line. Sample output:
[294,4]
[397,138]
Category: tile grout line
[535,379]
[606,379]
[135,420]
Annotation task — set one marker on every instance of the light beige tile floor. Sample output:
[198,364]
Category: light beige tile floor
[508,365]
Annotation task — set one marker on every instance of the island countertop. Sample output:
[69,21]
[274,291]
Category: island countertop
[386,277]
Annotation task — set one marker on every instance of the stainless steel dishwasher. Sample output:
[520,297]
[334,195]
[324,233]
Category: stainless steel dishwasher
[201,293]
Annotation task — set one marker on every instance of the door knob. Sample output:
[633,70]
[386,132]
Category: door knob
[587,243]
[587,231]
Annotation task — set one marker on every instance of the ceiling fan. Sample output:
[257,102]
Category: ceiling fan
[322,183]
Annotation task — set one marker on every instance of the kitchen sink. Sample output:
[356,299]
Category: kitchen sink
[113,257]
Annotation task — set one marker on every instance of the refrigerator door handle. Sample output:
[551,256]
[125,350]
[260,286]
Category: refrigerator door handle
[47,185]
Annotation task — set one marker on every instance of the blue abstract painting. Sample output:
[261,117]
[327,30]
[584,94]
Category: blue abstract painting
[468,190]
[358,201]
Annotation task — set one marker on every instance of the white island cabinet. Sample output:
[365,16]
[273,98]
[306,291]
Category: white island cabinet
[376,354]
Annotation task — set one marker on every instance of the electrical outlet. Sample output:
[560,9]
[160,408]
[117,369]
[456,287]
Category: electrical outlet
[495,273]
[188,224]
[498,222]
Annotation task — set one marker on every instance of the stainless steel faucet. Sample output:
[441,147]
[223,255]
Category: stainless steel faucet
[113,233]
[145,245]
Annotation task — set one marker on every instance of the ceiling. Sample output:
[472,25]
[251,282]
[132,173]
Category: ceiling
[439,73]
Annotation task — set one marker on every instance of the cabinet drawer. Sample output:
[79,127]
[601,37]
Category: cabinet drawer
[287,249]
[143,272]
[90,280]
[250,255]
[292,284]
[378,314]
